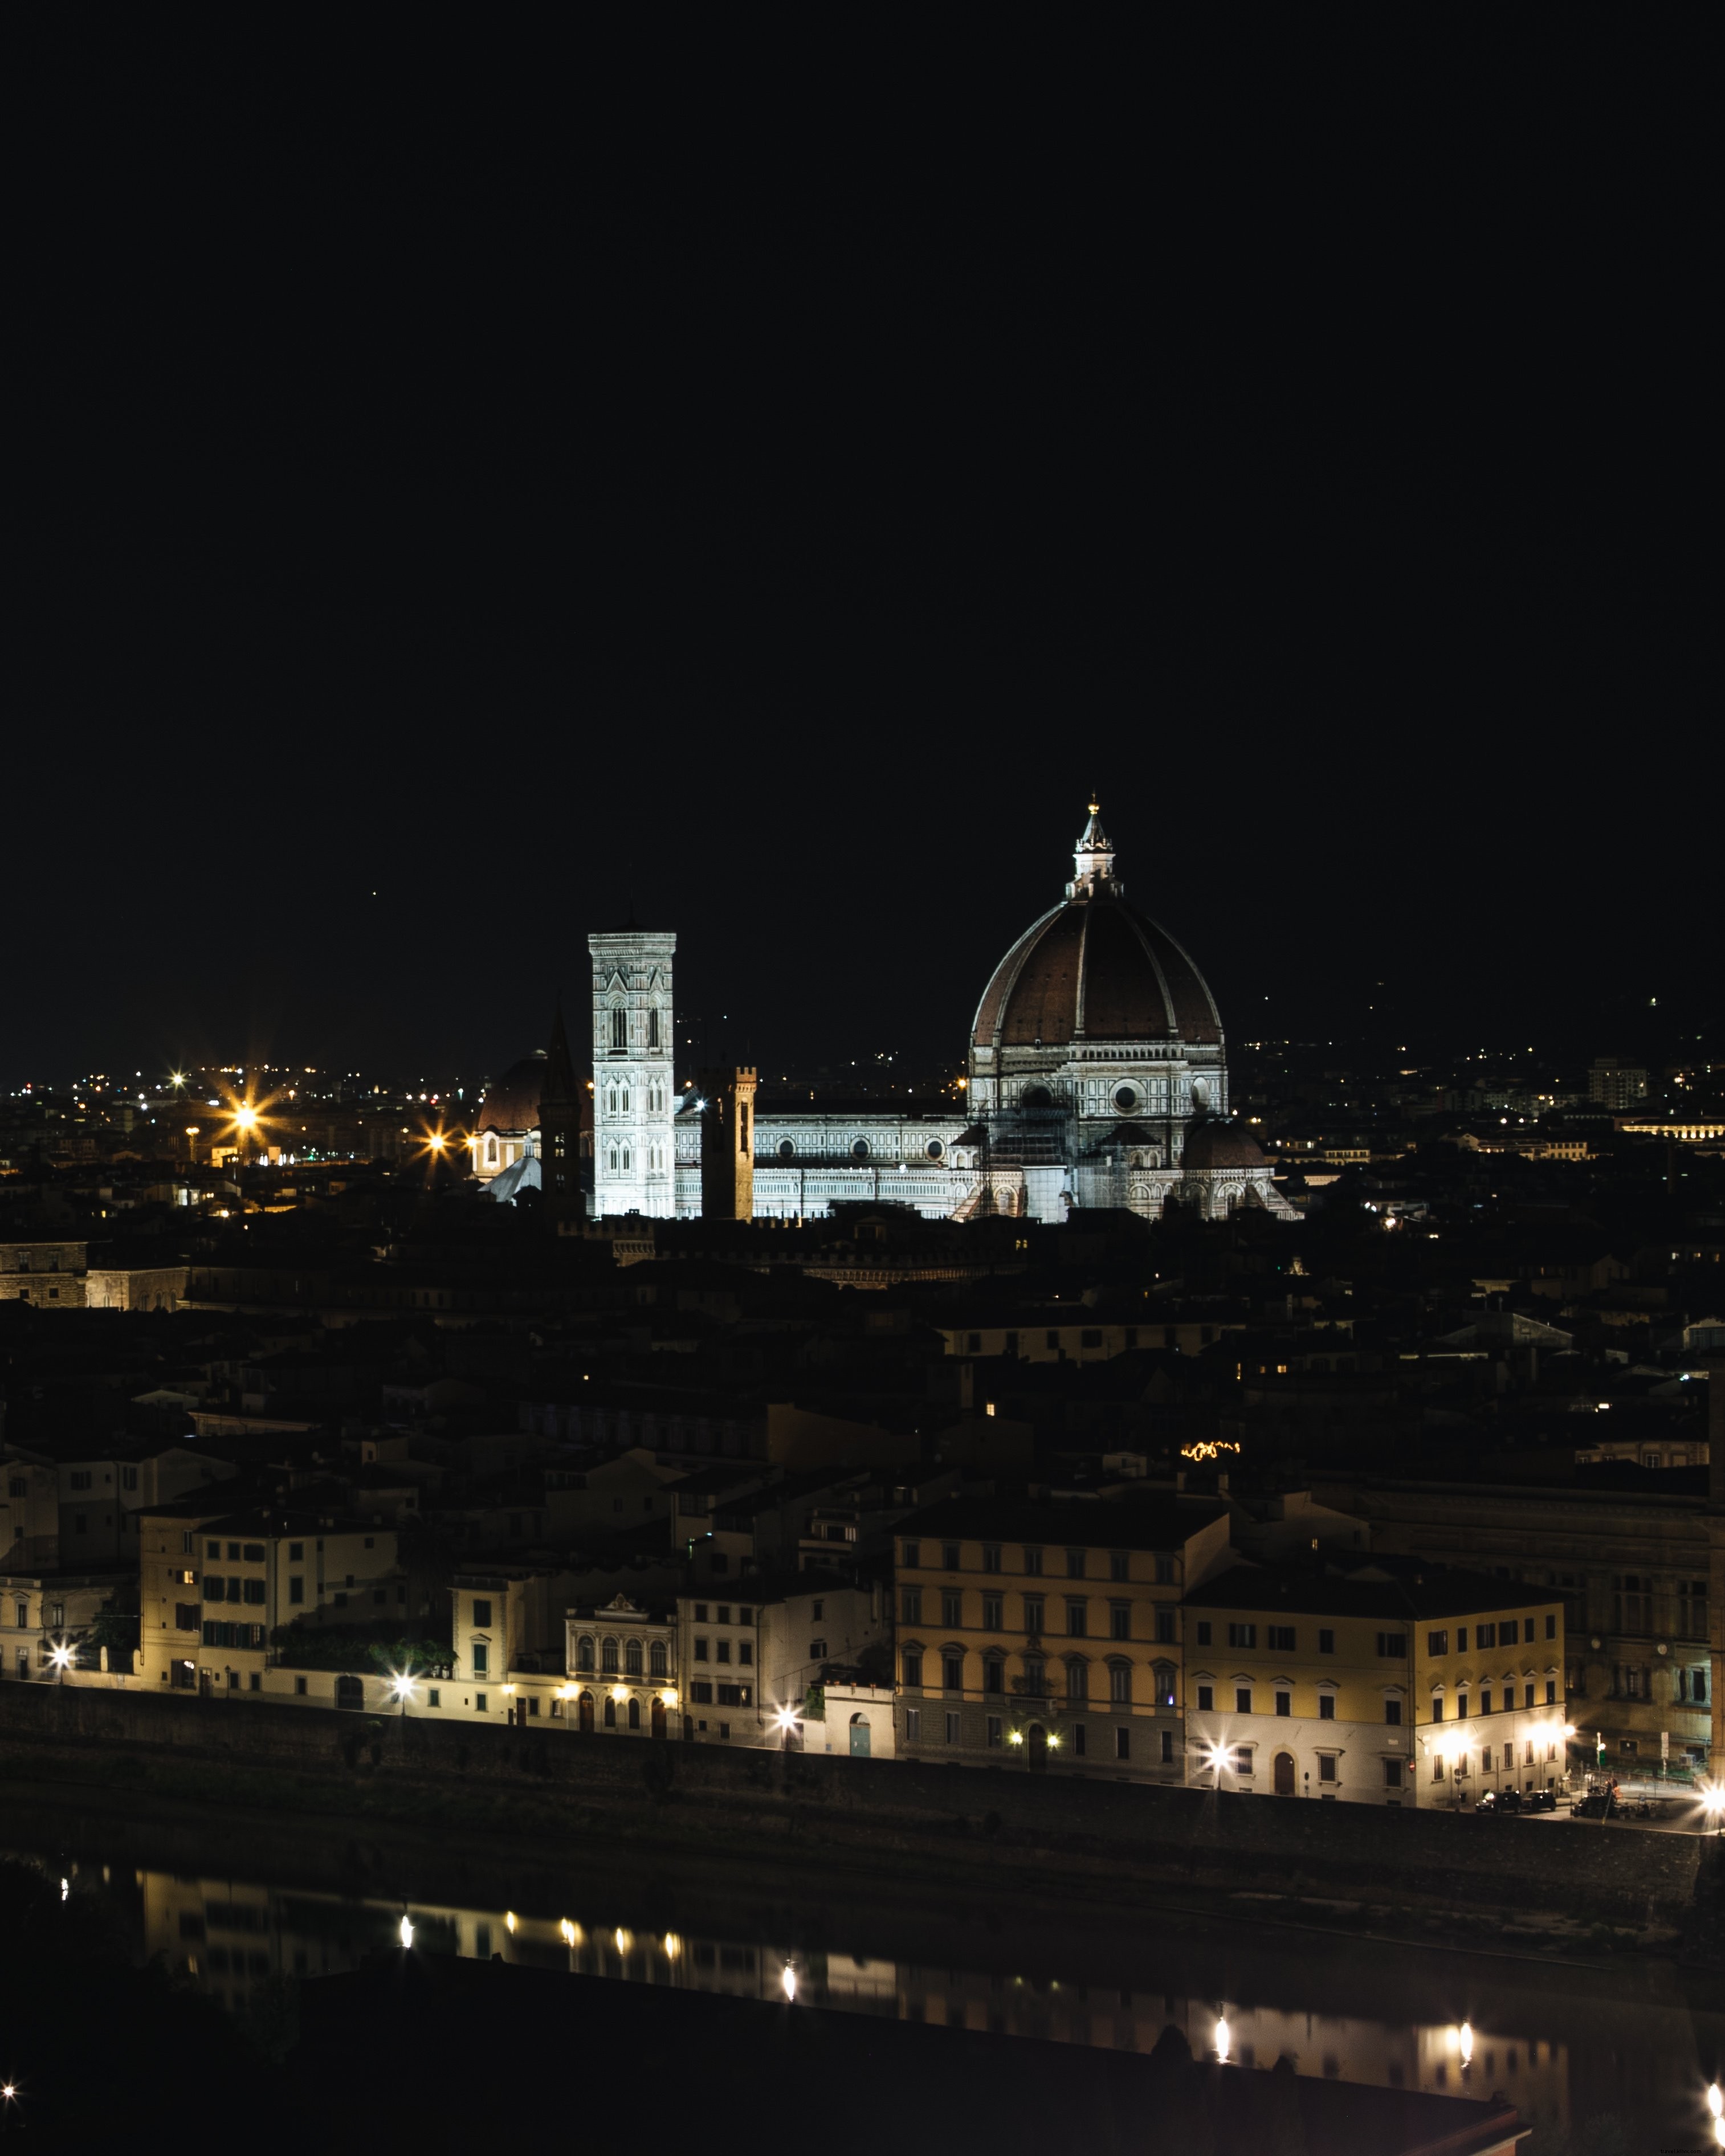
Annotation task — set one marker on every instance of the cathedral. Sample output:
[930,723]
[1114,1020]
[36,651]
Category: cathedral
[1096,1076]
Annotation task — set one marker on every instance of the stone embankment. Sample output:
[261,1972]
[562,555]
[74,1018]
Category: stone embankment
[1091,1838]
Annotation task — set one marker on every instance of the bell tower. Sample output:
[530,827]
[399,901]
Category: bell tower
[633,1095]
[560,1117]
[727,1144]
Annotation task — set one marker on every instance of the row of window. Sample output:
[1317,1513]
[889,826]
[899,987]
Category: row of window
[217,1634]
[1459,1769]
[83,1478]
[1034,1680]
[721,1650]
[1510,1633]
[702,1693]
[1035,1612]
[1633,1680]
[216,1588]
[995,1736]
[993,1556]
[1281,1639]
[657,1657]
[1507,1697]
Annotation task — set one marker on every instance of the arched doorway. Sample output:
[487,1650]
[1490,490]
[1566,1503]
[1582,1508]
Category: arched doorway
[1037,1744]
[610,1714]
[659,1717]
[584,1709]
[859,1737]
[1284,1773]
[634,1714]
[351,1692]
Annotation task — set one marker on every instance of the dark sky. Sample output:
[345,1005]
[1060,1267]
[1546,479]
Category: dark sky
[464,495]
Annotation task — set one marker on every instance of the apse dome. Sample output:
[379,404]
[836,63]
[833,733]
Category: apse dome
[511,1102]
[1095,968]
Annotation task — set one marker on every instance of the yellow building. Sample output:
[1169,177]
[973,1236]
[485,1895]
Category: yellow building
[1049,1634]
[215,1584]
[1387,1681]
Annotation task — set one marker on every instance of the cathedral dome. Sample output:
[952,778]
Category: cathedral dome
[1221,1145]
[1095,968]
[511,1102]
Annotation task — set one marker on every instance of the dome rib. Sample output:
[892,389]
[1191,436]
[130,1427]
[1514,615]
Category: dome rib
[985,1029]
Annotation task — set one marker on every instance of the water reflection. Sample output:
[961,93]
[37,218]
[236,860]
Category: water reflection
[231,1937]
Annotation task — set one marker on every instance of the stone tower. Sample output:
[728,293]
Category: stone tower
[634,1072]
[560,1101]
[727,1145]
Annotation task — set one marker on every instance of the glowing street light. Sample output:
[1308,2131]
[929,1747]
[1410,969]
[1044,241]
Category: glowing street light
[61,1657]
[1716,2101]
[785,1720]
[407,1931]
[1712,1803]
[401,1689]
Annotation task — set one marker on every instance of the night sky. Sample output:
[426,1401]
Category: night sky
[463,497]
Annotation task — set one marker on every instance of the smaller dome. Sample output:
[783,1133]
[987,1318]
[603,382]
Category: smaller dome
[511,1102]
[1221,1145]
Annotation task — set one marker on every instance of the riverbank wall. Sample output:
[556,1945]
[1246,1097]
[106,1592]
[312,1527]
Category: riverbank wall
[963,1828]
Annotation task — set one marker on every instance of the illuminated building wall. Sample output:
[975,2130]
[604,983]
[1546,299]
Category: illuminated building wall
[635,1080]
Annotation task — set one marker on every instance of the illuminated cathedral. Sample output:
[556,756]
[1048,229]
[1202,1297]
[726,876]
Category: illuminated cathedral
[1096,1076]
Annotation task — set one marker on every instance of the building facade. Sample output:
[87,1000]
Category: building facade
[1633,1569]
[635,1096]
[1386,1683]
[1048,1637]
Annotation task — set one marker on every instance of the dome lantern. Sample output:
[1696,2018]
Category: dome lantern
[1093,861]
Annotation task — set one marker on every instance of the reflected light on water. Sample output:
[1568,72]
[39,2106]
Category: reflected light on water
[407,1931]
[1224,2040]
[789,1981]
[1467,2043]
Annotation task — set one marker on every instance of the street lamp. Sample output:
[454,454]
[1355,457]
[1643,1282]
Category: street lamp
[401,1688]
[61,1657]
[1712,1803]
[785,1719]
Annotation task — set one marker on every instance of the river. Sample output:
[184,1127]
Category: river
[1576,2049]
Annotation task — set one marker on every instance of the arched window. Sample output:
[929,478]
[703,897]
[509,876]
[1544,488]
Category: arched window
[1077,1683]
[1163,1677]
[656,1658]
[860,1150]
[634,1714]
[1035,1678]
[912,1659]
[608,1657]
[622,1098]
[628,1160]
[583,1653]
[787,1151]
[613,1160]
[632,1658]
[492,1151]
[619,1028]
[653,1029]
[1120,1683]
[610,1714]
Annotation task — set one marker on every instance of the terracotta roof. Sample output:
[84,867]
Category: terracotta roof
[511,1102]
[1221,1145]
[1096,968]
